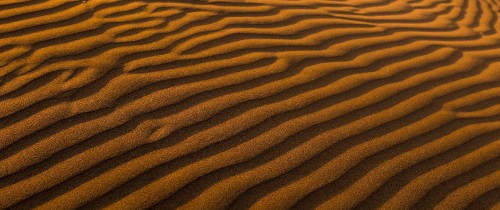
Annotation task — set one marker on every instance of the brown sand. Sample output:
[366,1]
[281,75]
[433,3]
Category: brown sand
[262,104]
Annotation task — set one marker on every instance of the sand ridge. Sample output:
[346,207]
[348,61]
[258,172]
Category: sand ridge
[218,104]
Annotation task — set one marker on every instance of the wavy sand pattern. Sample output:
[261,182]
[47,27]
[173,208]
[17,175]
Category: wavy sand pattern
[329,104]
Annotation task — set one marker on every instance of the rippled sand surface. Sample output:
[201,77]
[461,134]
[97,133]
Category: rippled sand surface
[215,104]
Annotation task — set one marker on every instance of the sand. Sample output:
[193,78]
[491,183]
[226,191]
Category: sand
[217,104]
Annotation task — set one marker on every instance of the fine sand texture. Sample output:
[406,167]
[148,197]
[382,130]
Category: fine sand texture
[260,104]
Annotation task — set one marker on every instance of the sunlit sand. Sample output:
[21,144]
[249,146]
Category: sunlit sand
[262,104]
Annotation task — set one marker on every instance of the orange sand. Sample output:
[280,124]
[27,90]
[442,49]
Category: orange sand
[262,104]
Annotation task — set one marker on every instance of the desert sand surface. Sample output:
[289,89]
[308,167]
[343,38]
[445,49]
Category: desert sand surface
[260,104]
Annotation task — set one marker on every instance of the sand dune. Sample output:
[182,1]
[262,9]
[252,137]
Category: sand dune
[214,104]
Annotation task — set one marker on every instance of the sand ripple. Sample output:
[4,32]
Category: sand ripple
[212,104]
